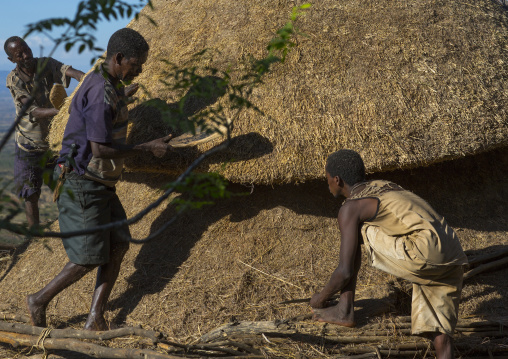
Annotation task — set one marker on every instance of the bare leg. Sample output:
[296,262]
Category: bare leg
[38,302]
[106,278]
[443,344]
[343,312]
[32,210]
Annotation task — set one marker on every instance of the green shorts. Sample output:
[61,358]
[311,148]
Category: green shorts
[83,204]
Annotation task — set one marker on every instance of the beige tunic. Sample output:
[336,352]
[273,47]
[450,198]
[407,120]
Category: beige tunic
[409,239]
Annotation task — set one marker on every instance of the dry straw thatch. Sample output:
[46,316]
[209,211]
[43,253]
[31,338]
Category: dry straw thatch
[405,84]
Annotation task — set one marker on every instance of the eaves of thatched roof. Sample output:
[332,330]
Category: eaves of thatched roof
[405,84]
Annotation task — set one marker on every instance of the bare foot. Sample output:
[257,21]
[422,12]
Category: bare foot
[36,312]
[332,315]
[96,324]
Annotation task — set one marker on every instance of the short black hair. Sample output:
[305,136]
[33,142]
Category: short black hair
[11,40]
[348,165]
[128,42]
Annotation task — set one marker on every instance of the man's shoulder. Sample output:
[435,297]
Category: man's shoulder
[50,60]
[93,81]
[12,78]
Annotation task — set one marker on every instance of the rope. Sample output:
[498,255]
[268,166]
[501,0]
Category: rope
[40,342]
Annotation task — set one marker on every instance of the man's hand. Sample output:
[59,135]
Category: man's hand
[160,146]
[131,89]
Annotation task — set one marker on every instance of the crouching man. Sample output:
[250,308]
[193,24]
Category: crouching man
[403,236]
[94,139]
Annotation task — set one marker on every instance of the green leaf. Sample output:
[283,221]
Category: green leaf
[68,46]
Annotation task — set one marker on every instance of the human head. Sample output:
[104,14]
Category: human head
[348,165]
[19,52]
[127,51]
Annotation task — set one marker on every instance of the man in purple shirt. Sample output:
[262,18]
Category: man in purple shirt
[94,148]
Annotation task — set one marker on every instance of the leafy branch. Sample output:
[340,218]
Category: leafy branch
[89,13]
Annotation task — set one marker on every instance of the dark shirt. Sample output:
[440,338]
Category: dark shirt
[98,113]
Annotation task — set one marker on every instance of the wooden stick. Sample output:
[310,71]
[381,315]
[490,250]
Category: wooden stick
[42,356]
[499,264]
[212,347]
[268,327]
[80,334]
[355,340]
[487,257]
[78,346]
[17,317]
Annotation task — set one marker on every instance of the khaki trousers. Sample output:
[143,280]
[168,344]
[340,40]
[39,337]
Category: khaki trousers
[436,288]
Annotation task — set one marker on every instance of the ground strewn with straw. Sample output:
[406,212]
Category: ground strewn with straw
[240,258]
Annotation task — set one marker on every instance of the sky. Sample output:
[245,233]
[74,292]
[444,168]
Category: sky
[16,14]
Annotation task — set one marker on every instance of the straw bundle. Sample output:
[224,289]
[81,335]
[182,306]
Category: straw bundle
[57,96]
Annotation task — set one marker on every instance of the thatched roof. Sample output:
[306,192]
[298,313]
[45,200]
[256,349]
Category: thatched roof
[405,84]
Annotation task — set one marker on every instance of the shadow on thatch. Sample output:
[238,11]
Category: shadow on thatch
[159,260]
[469,192]
[147,118]
[149,121]
[244,147]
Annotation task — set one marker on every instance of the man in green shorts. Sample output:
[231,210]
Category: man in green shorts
[403,236]
[91,159]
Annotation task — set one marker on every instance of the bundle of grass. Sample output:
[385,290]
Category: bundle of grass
[404,84]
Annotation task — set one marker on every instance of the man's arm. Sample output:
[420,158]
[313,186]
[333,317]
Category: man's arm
[159,148]
[40,112]
[75,74]
[350,217]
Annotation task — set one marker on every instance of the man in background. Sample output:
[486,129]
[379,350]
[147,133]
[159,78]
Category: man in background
[31,132]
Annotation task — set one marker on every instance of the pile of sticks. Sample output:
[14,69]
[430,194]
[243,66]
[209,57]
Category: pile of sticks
[98,344]
[390,337]
[486,263]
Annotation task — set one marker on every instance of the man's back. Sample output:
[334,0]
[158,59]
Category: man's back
[403,214]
